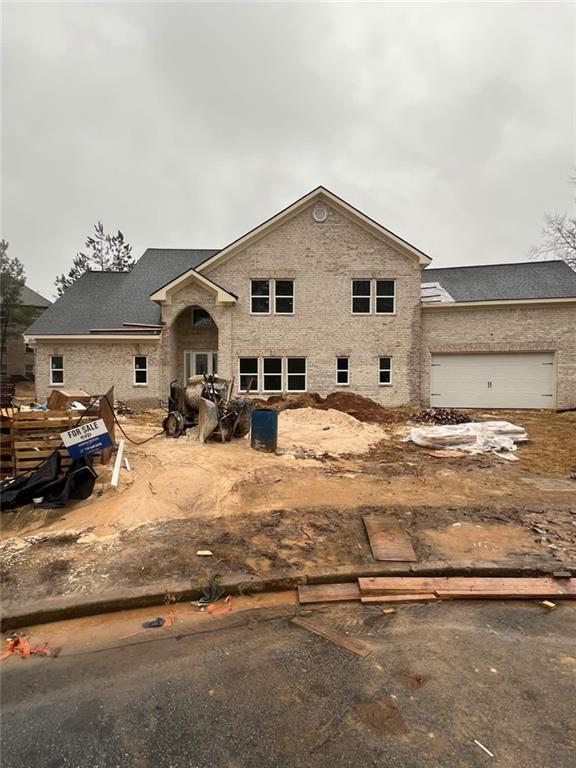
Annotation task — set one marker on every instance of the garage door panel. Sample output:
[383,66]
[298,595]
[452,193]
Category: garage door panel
[522,380]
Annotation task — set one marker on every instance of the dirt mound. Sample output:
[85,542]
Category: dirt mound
[314,432]
[362,408]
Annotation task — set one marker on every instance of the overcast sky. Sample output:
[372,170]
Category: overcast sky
[185,125]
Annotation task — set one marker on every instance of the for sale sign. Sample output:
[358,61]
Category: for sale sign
[86,438]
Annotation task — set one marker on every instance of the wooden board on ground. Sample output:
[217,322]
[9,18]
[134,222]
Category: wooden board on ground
[387,540]
[328,593]
[344,642]
[422,597]
[464,586]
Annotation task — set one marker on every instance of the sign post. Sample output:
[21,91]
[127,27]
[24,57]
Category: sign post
[86,438]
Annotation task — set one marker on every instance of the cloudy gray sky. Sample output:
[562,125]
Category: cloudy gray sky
[187,124]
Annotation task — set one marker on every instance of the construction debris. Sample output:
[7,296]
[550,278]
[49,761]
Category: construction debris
[473,437]
[18,645]
[387,540]
[405,589]
[441,416]
[344,642]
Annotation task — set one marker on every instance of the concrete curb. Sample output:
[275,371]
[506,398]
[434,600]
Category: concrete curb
[76,606]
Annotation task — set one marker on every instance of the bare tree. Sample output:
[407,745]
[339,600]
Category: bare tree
[558,237]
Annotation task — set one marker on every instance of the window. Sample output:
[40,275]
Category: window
[215,363]
[201,318]
[56,369]
[3,349]
[343,371]
[284,297]
[296,374]
[385,370]
[29,349]
[248,373]
[140,370]
[272,374]
[384,297]
[361,297]
[260,297]
[28,370]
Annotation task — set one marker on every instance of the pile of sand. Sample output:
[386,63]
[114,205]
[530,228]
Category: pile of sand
[312,432]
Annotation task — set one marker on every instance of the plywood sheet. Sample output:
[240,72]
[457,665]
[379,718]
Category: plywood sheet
[387,540]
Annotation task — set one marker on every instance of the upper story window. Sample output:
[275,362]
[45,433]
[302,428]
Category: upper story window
[140,370]
[378,296]
[29,350]
[56,369]
[272,295]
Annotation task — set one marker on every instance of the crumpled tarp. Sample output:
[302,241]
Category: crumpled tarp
[474,437]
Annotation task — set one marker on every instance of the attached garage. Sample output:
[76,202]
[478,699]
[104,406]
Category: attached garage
[495,380]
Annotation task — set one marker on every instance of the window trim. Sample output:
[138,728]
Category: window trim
[52,382]
[354,296]
[347,382]
[380,369]
[305,374]
[285,280]
[270,296]
[264,374]
[255,389]
[147,369]
[382,296]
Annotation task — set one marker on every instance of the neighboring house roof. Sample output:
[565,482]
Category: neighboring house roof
[505,282]
[100,300]
[30,298]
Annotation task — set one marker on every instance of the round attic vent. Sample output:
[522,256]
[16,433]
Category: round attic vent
[319,213]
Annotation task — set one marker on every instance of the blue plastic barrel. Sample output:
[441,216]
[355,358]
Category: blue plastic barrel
[264,435]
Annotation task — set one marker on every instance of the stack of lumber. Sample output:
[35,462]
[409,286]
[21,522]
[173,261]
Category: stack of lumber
[405,589]
[6,443]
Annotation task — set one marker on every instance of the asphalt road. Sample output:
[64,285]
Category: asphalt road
[252,690]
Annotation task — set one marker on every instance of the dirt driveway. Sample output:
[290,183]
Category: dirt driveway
[301,509]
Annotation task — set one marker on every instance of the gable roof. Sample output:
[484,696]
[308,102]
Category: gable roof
[318,194]
[31,298]
[110,299]
[506,282]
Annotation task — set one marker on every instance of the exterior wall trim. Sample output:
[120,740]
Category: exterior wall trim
[496,304]
[92,337]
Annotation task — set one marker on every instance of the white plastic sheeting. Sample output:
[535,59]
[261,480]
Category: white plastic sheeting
[474,437]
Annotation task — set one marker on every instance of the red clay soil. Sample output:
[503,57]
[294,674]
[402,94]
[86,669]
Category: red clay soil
[362,408]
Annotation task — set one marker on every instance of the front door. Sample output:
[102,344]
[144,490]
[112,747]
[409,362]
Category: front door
[200,362]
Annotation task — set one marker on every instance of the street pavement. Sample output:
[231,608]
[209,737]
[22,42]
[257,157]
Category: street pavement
[251,690]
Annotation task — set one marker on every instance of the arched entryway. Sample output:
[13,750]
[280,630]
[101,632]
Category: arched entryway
[195,343]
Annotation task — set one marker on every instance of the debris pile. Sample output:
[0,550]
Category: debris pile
[440,416]
[473,437]
[362,408]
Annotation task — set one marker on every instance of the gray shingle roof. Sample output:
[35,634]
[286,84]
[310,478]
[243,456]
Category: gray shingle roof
[30,298]
[108,299]
[499,282]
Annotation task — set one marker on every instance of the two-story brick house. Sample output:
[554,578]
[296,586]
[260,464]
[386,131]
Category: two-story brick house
[317,298]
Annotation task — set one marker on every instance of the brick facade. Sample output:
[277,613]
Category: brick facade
[322,259]
[526,328]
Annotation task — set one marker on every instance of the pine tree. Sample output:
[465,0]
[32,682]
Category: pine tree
[103,253]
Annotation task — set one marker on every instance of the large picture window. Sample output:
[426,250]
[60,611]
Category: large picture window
[260,297]
[296,374]
[140,370]
[56,369]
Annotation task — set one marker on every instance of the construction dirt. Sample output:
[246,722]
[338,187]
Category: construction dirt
[299,509]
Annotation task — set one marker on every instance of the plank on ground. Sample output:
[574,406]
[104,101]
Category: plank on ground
[334,637]
[423,596]
[387,540]
[327,593]
[485,586]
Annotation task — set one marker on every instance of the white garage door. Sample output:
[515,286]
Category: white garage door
[521,380]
